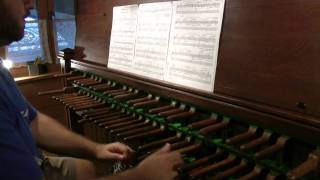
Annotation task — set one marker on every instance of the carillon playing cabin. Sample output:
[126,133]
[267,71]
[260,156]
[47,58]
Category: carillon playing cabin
[232,85]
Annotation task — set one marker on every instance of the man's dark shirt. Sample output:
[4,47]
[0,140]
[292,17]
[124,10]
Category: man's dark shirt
[18,151]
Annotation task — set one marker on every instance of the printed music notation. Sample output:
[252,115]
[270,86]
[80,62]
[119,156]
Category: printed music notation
[154,22]
[194,43]
[176,42]
[123,35]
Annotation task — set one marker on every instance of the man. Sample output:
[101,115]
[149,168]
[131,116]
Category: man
[22,129]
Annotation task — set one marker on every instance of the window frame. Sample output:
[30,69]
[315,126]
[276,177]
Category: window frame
[46,13]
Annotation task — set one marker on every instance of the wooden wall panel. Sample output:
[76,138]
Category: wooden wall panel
[92,7]
[268,54]
[22,71]
[93,37]
[94,19]
[44,104]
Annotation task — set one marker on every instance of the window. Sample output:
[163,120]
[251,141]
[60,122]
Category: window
[29,47]
[65,24]
[38,38]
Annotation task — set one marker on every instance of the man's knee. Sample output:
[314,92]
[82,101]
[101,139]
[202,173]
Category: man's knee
[84,169]
[66,168]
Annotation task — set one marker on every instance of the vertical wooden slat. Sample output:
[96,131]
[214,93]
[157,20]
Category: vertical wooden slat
[3,52]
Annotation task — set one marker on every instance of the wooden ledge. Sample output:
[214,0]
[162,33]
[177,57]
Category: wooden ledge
[28,79]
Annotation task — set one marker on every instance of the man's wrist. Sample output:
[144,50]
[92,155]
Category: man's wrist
[132,174]
[95,150]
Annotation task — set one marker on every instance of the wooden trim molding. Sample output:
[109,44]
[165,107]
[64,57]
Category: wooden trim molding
[3,52]
[28,79]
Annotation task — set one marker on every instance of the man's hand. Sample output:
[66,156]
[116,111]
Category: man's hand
[160,165]
[114,151]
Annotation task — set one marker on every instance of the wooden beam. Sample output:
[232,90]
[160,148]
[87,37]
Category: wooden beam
[3,52]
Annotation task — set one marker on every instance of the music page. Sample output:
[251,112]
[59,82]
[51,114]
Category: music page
[123,34]
[153,29]
[194,43]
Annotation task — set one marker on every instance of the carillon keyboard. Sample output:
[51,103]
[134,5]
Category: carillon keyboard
[214,145]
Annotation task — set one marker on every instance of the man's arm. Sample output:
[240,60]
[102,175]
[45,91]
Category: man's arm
[54,137]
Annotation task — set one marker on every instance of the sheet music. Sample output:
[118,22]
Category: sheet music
[194,43]
[153,29]
[122,42]
[172,41]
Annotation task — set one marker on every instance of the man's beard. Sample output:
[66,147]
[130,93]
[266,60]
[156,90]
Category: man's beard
[10,33]
[9,28]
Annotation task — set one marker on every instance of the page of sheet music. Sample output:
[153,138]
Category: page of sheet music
[122,42]
[194,43]
[153,29]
